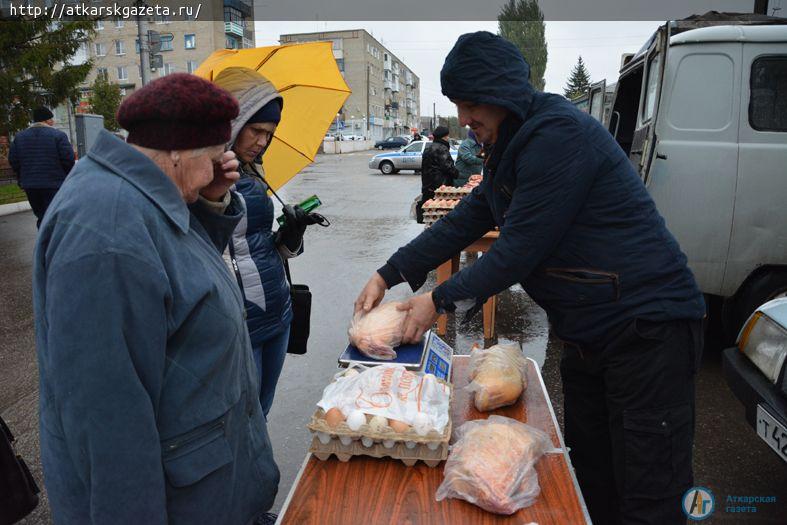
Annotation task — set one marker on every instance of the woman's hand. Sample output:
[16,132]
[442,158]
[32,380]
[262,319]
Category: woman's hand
[225,174]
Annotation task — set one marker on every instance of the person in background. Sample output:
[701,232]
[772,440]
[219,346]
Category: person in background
[416,136]
[258,251]
[581,234]
[148,393]
[437,168]
[41,157]
[468,162]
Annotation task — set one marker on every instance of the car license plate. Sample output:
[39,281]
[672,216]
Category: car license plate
[772,432]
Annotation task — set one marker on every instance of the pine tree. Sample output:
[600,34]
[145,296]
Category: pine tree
[105,101]
[579,82]
[34,68]
[522,23]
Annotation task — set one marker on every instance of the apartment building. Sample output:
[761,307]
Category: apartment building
[186,42]
[385,99]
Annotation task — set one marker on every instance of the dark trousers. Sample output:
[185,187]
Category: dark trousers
[419,208]
[39,200]
[629,420]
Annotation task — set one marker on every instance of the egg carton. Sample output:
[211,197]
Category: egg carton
[409,446]
[450,192]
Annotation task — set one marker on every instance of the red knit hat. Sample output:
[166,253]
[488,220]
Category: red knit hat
[178,111]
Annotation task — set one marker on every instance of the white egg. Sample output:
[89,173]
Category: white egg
[433,445]
[367,441]
[421,424]
[324,438]
[346,440]
[356,419]
[389,443]
[409,444]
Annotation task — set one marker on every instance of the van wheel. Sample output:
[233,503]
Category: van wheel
[759,290]
[387,167]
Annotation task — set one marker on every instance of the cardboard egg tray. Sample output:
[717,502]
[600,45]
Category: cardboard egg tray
[408,447]
[451,192]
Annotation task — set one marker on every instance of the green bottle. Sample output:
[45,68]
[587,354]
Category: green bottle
[308,205]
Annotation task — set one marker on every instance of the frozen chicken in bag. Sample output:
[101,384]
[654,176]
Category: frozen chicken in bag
[498,376]
[492,464]
[376,333]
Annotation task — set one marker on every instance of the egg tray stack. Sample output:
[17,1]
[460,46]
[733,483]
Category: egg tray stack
[445,199]
[409,447]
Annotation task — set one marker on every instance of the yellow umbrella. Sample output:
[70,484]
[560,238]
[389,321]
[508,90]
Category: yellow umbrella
[313,89]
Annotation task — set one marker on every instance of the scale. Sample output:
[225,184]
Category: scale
[431,356]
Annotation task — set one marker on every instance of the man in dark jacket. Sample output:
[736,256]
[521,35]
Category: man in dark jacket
[41,157]
[437,168]
[580,233]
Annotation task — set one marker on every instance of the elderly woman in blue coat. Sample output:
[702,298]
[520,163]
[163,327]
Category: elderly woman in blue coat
[148,393]
[259,252]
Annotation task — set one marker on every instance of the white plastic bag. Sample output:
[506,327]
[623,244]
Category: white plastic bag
[492,464]
[497,376]
[377,332]
[393,392]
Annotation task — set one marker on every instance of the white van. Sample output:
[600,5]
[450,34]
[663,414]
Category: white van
[702,114]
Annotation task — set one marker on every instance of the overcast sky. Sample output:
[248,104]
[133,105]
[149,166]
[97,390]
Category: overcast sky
[423,46]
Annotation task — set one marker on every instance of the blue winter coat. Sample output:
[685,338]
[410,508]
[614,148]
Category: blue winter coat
[148,395]
[578,229]
[261,267]
[41,156]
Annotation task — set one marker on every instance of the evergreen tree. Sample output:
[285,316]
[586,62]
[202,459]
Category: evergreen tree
[105,101]
[522,23]
[34,68]
[579,82]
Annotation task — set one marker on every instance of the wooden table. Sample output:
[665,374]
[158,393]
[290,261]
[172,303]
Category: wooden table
[451,266]
[369,491]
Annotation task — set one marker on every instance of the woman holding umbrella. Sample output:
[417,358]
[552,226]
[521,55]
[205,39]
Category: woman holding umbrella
[257,251]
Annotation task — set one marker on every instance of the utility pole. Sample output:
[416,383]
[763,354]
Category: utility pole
[144,49]
[434,116]
[368,115]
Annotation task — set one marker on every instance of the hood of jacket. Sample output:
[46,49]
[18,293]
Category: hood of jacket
[487,69]
[251,89]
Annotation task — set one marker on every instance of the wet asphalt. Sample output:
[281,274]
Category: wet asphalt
[370,219]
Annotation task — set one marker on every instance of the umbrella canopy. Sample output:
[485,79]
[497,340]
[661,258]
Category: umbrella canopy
[313,90]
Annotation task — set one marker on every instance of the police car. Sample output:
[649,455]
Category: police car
[755,371]
[407,158]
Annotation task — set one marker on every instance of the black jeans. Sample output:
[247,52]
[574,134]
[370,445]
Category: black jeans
[39,200]
[629,420]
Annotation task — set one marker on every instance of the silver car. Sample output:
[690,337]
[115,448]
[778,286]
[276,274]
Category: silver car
[407,158]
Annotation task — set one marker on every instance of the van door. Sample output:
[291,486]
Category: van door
[759,236]
[642,143]
[693,174]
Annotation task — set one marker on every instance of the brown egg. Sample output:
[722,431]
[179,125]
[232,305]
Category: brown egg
[399,426]
[334,417]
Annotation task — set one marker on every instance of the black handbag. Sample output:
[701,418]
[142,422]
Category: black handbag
[301,300]
[18,489]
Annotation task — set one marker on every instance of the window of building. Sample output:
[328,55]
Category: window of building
[136,45]
[190,41]
[102,72]
[231,43]
[768,102]
[101,49]
[191,66]
[340,63]
[168,68]
[122,73]
[99,25]
[119,23]
[166,45]
[120,47]
[232,15]
[337,43]
[163,19]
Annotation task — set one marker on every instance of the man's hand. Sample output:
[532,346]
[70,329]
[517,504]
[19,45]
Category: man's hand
[372,294]
[421,317]
[225,174]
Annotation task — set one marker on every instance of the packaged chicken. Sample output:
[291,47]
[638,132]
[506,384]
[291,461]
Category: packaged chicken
[492,464]
[497,376]
[376,333]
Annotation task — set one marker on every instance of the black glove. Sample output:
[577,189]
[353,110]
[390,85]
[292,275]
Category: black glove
[291,232]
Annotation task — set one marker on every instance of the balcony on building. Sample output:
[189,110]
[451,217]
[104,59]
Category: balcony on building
[395,86]
[388,84]
[233,28]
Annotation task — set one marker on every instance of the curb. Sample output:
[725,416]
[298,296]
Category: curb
[14,207]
